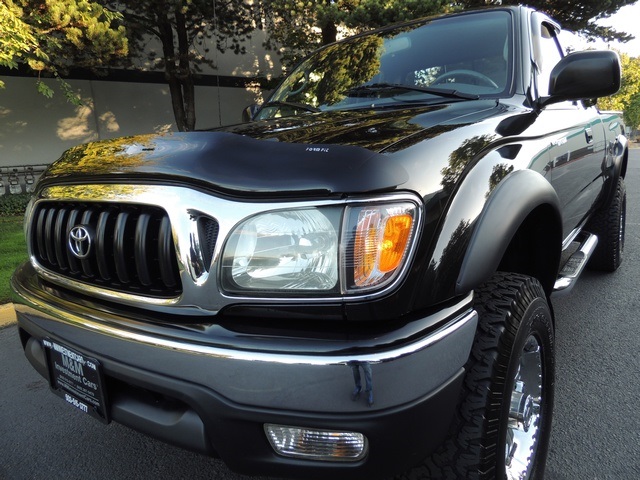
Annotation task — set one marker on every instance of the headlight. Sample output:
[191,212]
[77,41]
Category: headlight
[284,250]
[324,251]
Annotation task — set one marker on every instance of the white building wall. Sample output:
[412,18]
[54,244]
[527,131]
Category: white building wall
[35,131]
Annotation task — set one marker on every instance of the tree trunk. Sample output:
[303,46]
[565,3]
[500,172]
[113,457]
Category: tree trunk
[329,33]
[171,70]
[178,71]
[177,103]
[186,76]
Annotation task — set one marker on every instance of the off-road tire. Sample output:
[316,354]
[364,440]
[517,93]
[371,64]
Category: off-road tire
[512,309]
[609,226]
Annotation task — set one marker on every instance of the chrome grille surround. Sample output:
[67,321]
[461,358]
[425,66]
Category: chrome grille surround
[198,245]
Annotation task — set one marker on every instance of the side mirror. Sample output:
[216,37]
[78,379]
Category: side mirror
[582,75]
[249,112]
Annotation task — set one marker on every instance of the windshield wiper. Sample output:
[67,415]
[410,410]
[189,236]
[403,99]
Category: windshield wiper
[380,87]
[300,106]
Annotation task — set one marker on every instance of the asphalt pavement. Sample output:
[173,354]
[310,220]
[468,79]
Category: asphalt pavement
[596,425]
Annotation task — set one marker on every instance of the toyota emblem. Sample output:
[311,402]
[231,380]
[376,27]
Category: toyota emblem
[80,241]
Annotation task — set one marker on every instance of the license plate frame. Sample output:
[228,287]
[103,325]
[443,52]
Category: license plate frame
[77,378]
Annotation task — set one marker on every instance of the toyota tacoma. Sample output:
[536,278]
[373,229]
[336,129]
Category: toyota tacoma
[356,281]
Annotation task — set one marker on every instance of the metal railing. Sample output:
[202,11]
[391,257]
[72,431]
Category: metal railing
[19,179]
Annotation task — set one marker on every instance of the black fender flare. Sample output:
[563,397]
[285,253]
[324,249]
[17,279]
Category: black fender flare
[511,202]
[621,152]
[618,168]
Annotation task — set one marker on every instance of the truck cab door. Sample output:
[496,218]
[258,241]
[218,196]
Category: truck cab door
[575,133]
[578,149]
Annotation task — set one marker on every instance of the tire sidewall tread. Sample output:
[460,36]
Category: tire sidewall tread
[605,224]
[510,307]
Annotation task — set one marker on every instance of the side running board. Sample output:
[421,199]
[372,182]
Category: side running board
[575,264]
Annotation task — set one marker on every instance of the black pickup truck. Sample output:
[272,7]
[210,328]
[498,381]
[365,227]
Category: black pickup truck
[355,282]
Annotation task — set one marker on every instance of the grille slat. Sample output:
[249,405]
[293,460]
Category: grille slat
[141,249]
[119,252]
[71,260]
[40,228]
[86,263]
[165,243]
[131,248]
[102,254]
[59,236]
[49,237]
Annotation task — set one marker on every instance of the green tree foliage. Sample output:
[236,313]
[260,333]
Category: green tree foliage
[50,36]
[460,158]
[632,112]
[339,69]
[628,98]
[187,31]
[574,15]
[300,26]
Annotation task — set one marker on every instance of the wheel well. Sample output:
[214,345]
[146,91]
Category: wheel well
[625,160]
[535,248]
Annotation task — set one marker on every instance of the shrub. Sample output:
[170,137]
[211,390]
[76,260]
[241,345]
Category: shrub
[13,205]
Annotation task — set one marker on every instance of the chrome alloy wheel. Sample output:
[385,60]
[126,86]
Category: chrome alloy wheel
[622,224]
[524,413]
[503,425]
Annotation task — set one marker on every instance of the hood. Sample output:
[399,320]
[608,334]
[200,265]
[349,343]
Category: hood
[329,153]
[375,130]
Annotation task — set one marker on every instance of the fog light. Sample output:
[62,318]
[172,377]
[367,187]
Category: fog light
[311,444]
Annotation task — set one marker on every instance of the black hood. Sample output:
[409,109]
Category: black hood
[375,130]
[320,154]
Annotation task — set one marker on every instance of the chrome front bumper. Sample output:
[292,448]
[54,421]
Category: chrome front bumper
[399,382]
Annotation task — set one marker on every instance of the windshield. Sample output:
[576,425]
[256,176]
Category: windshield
[465,57]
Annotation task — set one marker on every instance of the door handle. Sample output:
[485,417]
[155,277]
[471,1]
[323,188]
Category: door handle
[588,133]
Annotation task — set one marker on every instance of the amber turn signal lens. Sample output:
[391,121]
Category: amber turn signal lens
[381,239]
[394,242]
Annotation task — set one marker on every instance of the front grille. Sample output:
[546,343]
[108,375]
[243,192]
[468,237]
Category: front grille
[131,247]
